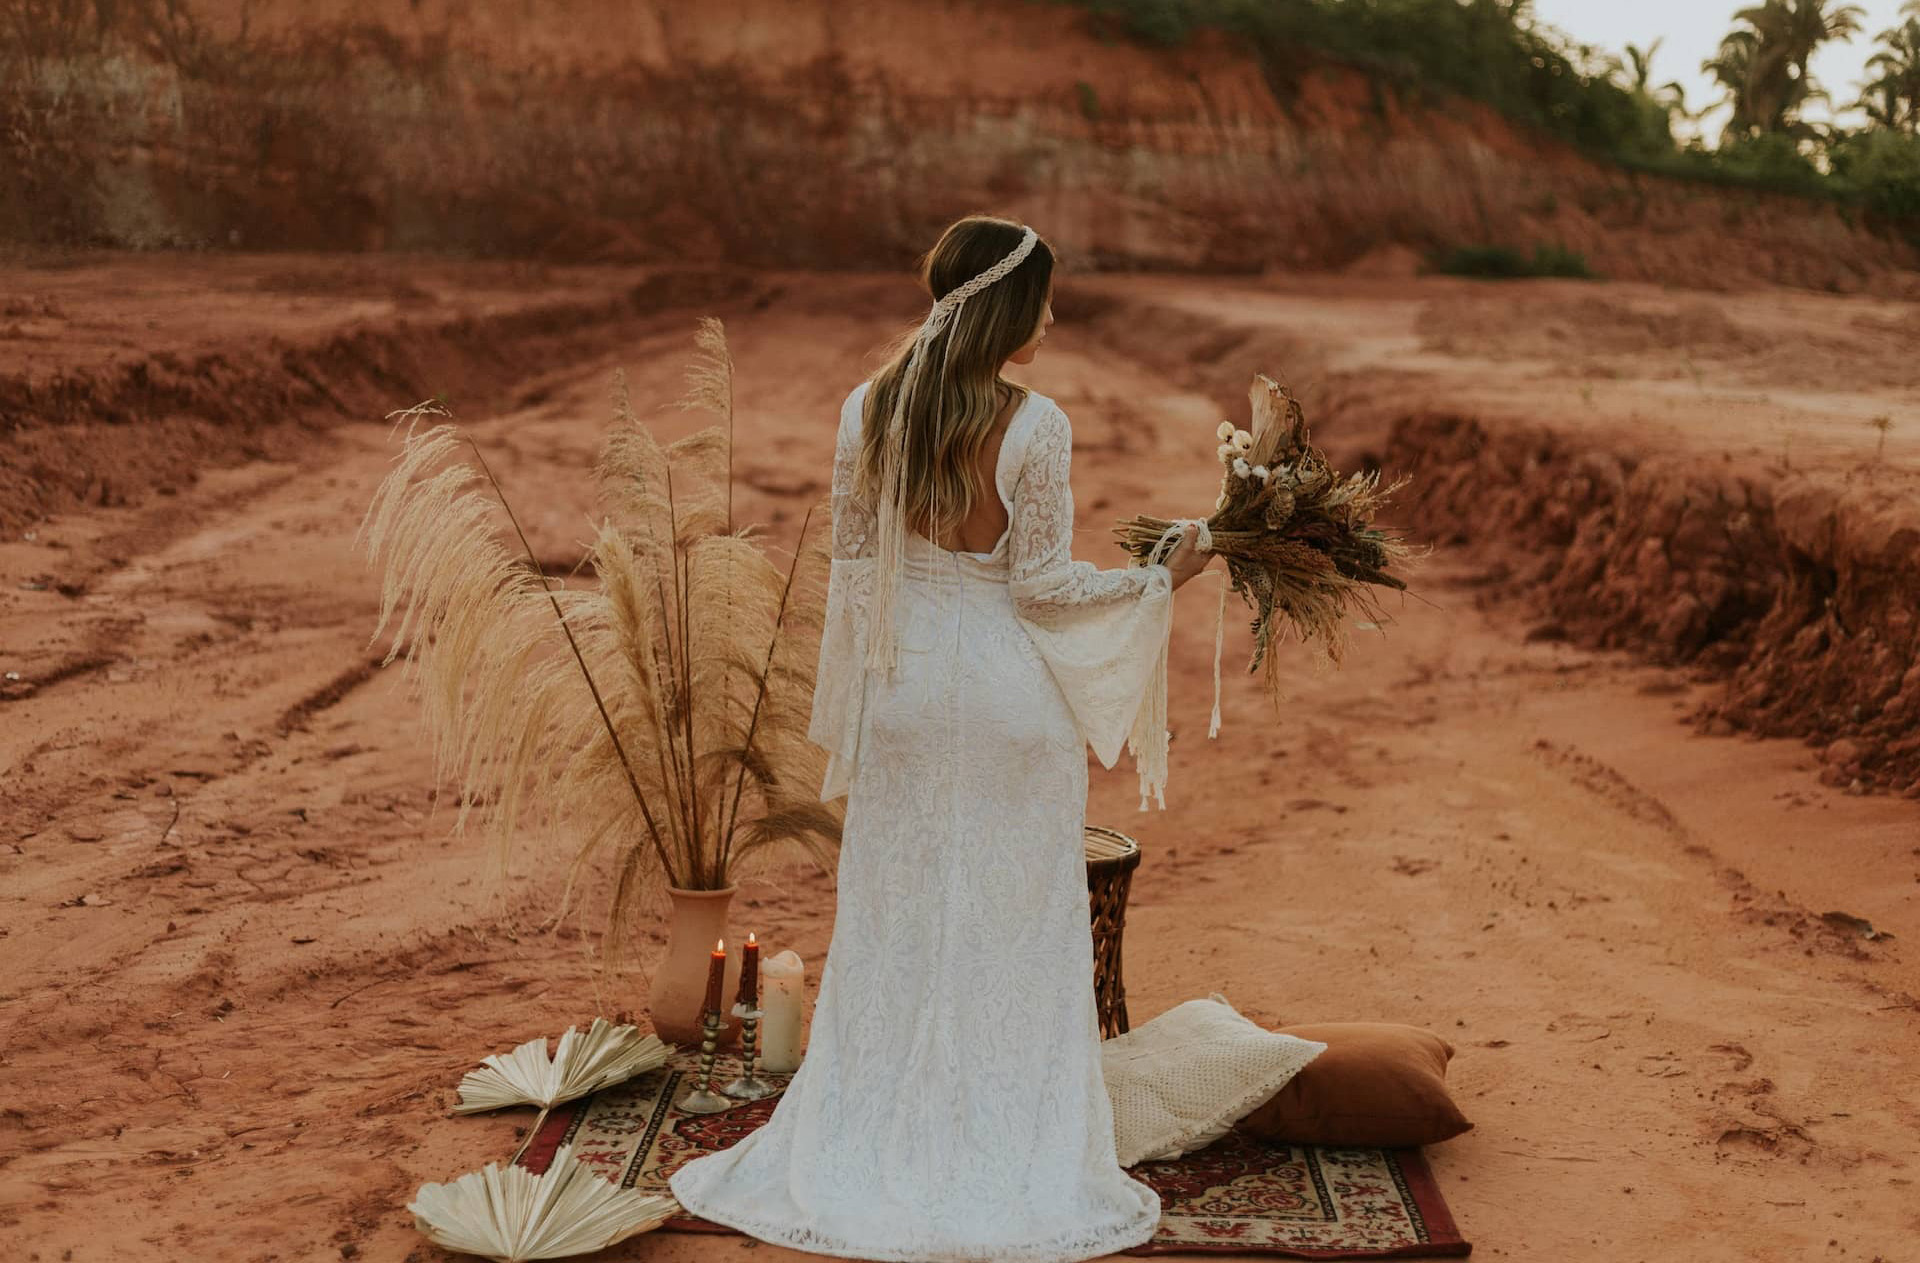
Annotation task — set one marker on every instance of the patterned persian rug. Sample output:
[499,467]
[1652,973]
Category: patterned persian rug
[1238,1195]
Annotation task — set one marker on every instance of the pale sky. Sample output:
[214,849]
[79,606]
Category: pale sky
[1694,28]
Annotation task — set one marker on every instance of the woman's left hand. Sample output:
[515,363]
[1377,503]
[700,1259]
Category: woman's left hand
[1186,560]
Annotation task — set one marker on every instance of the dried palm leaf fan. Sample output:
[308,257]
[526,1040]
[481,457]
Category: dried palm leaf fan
[658,713]
[510,1214]
[605,1055]
[1299,540]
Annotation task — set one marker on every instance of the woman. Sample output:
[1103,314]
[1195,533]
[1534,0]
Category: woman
[951,1105]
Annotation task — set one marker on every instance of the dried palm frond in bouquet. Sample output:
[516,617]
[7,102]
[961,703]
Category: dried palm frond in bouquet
[658,713]
[1299,541]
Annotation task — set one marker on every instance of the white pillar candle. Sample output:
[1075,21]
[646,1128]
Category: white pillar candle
[782,989]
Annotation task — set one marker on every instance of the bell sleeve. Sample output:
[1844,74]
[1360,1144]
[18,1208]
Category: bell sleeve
[839,687]
[1103,633]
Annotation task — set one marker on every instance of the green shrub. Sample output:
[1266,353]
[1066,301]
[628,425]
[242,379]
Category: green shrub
[1772,159]
[1483,261]
[1491,262]
[1882,168]
[1164,22]
[1089,100]
[1559,261]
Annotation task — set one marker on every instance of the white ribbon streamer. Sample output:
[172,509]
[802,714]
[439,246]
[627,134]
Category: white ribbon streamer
[1150,738]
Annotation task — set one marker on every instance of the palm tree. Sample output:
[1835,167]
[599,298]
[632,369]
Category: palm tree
[1793,30]
[1764,65]
[1640,77]
[1641,61]
[1892,97]
[1732,67]
[1806,24]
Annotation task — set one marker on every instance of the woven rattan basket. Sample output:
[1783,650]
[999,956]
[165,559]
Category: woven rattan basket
[1111,859]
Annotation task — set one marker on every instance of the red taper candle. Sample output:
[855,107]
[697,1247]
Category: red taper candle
[716,967]
[749,993]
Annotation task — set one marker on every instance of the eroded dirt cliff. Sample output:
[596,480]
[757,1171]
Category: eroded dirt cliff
[810,133]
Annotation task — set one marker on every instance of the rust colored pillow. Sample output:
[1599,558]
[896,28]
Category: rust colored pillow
[1378,1084]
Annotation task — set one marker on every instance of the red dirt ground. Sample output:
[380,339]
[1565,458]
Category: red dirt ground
[243,963]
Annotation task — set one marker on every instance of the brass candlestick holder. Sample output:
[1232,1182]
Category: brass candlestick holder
[703,1099]
[748,1086]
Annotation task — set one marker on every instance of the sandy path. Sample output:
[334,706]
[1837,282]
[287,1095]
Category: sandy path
[252,1042]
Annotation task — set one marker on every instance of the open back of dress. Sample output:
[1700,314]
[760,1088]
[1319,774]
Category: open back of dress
[950,1105]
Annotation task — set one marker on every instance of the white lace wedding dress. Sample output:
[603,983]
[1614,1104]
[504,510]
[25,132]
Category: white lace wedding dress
[950,1105]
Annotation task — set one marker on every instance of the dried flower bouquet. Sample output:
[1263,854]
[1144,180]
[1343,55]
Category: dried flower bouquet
[1299,540]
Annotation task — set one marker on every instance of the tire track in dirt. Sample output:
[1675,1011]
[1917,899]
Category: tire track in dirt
[1810,932]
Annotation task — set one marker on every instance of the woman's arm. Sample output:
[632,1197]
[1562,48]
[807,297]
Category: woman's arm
[839,677]
[1045,580]
[1103,633]
[853,520]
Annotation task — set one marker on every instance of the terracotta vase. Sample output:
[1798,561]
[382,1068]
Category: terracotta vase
[698,920]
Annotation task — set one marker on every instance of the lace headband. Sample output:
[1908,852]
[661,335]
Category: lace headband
[891,551]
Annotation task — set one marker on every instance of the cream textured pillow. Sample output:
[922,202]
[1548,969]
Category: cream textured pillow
[1180,1082]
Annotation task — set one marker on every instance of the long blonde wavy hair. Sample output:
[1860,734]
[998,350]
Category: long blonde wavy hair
[956,395]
